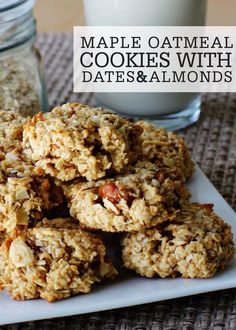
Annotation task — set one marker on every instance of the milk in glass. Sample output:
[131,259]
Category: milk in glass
[146,13]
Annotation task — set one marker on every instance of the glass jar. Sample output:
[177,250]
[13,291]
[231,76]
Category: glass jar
[22,84]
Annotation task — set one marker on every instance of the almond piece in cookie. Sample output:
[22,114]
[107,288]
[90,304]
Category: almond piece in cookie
[53,261]
[146,196]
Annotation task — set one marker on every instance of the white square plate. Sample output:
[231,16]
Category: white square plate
[129,289]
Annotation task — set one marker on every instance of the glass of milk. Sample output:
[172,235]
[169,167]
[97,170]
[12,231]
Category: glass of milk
[170,110]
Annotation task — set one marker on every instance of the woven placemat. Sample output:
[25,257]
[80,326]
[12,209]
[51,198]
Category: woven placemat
[212,142]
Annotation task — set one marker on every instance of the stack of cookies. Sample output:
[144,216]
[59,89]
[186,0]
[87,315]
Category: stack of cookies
[71,173]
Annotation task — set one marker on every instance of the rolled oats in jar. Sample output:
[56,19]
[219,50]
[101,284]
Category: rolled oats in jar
[22,86]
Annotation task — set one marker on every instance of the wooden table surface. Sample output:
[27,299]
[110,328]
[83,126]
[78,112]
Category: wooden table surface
[62,15]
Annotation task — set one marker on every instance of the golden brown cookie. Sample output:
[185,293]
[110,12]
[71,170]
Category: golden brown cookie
[195,245]
[77,140]
[165,148]
[145,197]
[53,263]
[25,200]
[11,126]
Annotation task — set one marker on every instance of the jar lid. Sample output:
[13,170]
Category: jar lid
[17,23]
[9,4]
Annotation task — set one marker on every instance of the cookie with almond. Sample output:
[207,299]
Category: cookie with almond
[53,261]
[146,196]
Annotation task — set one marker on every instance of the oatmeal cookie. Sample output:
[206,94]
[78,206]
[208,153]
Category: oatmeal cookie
[12,159]
[76,140]
[13,163]
[164,148]
[26,193]
[53,263]
[24,201]
[143,198]
[11,126]
[195,245]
